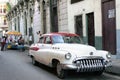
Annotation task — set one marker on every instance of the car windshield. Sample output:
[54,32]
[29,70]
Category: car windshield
[66,39]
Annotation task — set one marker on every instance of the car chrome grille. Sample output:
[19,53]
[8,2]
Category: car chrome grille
[89,65]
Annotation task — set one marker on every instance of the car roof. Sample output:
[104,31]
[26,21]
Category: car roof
[60,33]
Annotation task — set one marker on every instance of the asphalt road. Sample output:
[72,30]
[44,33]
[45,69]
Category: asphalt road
[15,65]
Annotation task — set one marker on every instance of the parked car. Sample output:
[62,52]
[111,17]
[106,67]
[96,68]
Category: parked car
[16,46]
[66,51]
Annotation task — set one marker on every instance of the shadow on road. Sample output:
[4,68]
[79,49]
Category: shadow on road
[71,75]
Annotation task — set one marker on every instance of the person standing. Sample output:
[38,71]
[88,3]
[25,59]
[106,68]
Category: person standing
[21,41]
[6,43]
[3,42]
[30,40]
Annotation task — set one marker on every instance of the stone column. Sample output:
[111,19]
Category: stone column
[30,16]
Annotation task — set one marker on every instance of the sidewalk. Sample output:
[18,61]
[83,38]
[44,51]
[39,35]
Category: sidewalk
[115,68]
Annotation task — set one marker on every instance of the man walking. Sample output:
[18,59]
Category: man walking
[3,42]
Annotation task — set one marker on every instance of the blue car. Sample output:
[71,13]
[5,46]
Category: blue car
[17,47]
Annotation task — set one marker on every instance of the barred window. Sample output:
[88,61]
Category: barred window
[5,21]
[54,2]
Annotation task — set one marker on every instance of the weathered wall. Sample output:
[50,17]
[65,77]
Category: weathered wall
[118,26]
[36,22]
[83,8]
[63,16]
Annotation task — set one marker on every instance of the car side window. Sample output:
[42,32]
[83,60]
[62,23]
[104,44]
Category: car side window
[57,39]
[48,40]
[41,40]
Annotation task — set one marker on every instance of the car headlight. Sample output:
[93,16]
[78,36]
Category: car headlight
[68,56]
[108,55]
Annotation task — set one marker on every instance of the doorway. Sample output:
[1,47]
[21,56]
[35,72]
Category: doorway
[109,25]
[54,15]
[90,29]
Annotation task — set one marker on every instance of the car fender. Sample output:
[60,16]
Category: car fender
[102,53]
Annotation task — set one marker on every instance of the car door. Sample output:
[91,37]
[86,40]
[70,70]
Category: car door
[47,48]
[44,46]
[40,45]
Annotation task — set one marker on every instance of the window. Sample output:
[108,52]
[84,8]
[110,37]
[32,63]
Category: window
[57,39]
[79,25]
[5,22]
[48,40]
[75,1]
[0,10]
[4,10]
[54,16]
[54,2]
[18,24]
[26,24]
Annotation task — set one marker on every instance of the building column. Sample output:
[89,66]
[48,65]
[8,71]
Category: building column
[30,22]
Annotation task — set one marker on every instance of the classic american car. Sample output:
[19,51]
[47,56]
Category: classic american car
[66,51]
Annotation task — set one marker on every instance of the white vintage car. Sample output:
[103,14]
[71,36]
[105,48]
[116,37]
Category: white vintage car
[65,51]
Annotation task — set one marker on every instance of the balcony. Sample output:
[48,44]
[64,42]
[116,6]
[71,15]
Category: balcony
[3,26]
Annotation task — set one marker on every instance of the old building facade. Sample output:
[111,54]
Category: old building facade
[96,21]
[3,19]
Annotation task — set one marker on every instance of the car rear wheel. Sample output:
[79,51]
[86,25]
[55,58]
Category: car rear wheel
[34,62]
[61,73]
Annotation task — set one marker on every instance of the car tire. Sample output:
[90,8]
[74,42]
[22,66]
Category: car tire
[61,73]
[34,62]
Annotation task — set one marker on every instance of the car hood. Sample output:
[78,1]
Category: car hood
[77,49]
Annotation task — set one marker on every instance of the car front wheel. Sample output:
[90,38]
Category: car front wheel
[61,73]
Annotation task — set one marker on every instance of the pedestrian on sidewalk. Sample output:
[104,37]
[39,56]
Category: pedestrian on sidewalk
[3,42]
[6,42]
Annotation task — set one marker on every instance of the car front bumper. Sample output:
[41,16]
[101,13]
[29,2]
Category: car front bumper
[86,68]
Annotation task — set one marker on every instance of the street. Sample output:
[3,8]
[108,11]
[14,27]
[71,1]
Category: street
[16,65]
